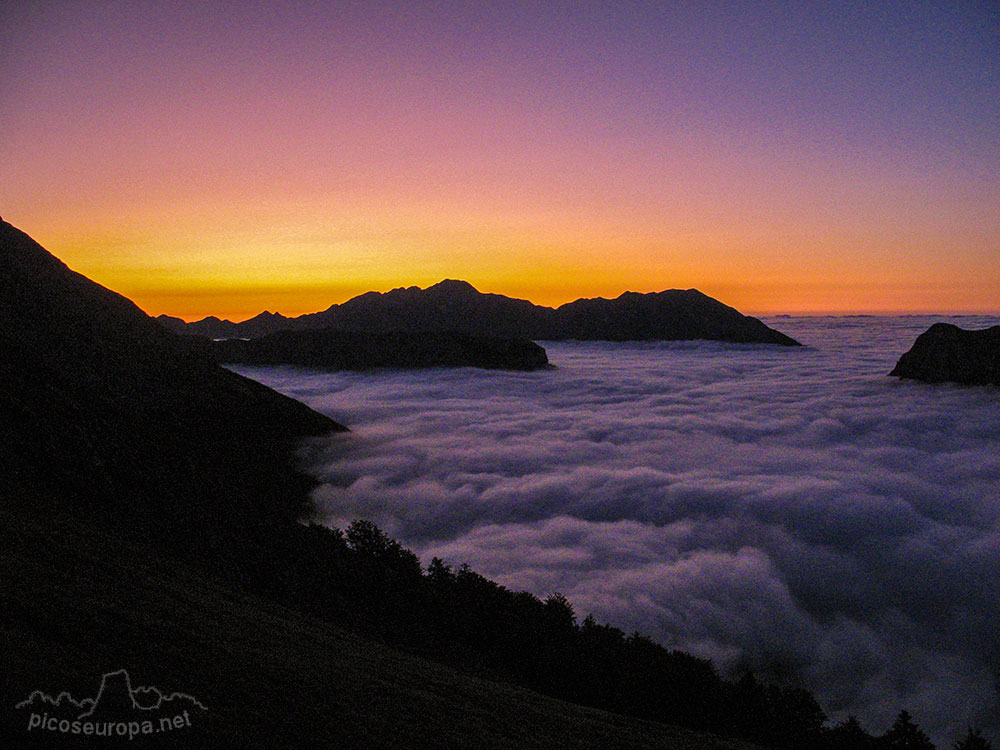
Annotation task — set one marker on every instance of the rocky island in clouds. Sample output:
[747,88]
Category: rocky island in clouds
[945,353]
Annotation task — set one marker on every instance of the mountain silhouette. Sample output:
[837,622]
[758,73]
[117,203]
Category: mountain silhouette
[456,306]
[63,705]
[332,349]
[104,410]
[114,698]
[213,327]
[947,353]
[118,700]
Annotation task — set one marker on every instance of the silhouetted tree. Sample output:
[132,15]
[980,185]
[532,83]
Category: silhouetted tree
[905,735]
[974,740]
[439,572]
[560,612]
[749,709]
[798,718]
[368,540]
[849,735]
[369,582]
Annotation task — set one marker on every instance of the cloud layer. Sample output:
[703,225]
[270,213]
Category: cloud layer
[791,510]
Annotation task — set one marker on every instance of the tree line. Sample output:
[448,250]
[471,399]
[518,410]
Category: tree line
[365,580]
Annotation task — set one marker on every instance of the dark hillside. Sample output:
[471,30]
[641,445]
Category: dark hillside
[102,408]
[79,601]
[330,349]
[148,528]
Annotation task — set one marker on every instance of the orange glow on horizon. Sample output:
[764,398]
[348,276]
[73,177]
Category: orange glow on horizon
[240,305]
[304,258]
[152,151]
[240,283]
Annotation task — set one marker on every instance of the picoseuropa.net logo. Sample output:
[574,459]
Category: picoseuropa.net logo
[118,710]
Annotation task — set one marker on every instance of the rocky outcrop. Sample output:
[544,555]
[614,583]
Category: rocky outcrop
[342,350]
[947,353]
[456,306]
[673,315]
[102,408]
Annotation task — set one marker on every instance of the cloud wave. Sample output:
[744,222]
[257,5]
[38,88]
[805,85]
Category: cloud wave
[794,511]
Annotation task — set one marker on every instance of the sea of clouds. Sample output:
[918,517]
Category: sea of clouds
[790,510]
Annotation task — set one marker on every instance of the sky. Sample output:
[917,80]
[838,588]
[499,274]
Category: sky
[226,158]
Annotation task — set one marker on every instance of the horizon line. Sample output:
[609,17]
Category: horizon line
[758,312]
[751,313]
[821,312]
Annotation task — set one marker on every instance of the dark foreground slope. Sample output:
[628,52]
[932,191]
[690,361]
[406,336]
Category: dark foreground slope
[112,424]
[457,306]
[104,410]
[947,353]
[343,350]
[80,602]
[148,534]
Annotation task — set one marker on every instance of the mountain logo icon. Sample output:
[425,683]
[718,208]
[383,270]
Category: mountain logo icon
[118,709]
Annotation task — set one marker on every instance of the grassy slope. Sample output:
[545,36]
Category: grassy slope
[80,602]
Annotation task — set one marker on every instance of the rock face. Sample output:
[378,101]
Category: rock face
[457,306]
[947,353]
[104,409]
[341,350]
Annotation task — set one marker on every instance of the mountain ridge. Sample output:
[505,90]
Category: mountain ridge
[330,349]
[226,595]
[457,306]
[101,407]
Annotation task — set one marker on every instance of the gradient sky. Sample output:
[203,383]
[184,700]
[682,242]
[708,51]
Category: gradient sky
[225,158]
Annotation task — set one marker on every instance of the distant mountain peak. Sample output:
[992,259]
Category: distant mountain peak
[453,286]
[454,305]
[268,315]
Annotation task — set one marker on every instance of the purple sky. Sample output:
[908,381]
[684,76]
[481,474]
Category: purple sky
[204,157]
